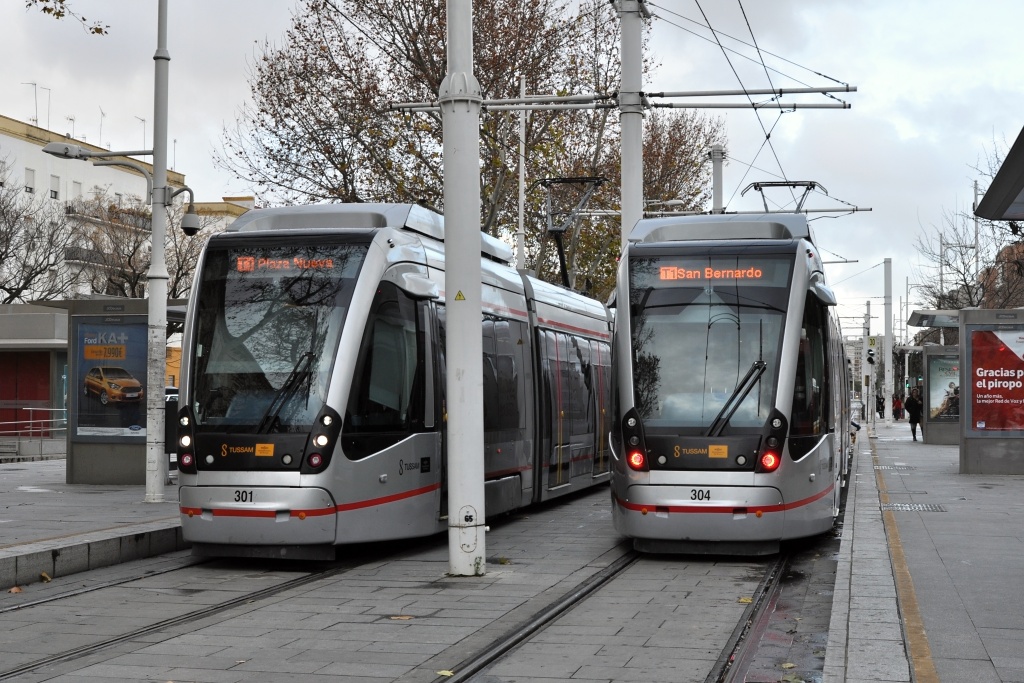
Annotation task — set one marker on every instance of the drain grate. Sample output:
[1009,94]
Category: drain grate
[901,468]
[913,507]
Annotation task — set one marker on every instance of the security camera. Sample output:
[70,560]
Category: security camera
[190,222]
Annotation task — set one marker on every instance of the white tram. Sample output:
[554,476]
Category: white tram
[313,392]
[732,399]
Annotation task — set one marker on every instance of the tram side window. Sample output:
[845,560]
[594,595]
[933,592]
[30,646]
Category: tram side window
[502,393]
[810,389]
[501,383]
[388,381]
[582,378]
[601,377]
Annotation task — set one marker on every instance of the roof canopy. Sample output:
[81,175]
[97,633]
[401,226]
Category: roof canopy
[932,318]
[1004,199]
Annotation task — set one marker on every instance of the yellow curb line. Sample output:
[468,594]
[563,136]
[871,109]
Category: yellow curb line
[918,650]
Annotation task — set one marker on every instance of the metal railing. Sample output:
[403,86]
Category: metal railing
[37,426]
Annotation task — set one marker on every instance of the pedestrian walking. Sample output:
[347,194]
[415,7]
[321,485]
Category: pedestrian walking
[897,407]
[914,407]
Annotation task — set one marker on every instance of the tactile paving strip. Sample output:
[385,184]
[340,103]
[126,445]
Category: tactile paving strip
[913,507]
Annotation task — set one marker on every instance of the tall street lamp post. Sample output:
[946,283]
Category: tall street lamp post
[160,196]
[156,454]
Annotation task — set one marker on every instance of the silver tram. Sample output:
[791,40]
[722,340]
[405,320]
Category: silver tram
[313,392]
[732,400]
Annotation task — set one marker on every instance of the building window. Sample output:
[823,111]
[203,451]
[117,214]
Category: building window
[30,180]
[76,190]
[54,187]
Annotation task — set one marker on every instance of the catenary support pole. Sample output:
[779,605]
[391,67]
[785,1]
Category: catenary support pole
[156,363]
[717,157]
[888,342]
[521,232]
[868,380]
[459,97]
[631,115]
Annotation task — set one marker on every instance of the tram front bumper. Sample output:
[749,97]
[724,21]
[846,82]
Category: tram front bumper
[700,513]
[257,515]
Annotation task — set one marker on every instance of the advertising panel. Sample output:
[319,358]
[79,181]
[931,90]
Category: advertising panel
[943,400]
[997,376]
[110,378]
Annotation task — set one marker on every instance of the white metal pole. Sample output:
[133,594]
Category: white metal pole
[631,116]
[942,260]
[888,342]
[717,156]
[156,455]
[869,375]
[977,252]
[459,97]
[521,234]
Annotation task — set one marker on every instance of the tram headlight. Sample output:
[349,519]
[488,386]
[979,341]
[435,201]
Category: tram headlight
[321,440]
[186,440]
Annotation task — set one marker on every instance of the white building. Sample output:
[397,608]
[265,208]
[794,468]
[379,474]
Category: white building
[77,184]
[33,348]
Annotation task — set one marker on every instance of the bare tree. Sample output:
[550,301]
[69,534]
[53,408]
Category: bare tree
[59,9]
[34,234]
[969,264]
[321,125]
[114,244]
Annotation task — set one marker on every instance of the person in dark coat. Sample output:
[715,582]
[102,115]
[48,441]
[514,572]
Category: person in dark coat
[914,407]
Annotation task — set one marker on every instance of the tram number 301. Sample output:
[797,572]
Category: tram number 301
[244,496]
[700,494]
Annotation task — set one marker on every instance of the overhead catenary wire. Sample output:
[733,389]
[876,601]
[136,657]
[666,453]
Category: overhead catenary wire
[740,41]
[739,80]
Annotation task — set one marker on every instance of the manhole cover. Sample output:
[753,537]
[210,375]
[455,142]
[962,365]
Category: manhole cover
[913,507]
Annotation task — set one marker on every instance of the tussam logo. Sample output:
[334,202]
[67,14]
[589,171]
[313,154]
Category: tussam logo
[226,450]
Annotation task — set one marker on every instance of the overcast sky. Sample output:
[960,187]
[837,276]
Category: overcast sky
[939,89]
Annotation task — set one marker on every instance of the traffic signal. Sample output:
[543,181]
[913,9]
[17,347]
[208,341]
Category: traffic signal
[871,356]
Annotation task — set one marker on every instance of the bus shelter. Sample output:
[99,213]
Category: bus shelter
[941,379]
[992,428]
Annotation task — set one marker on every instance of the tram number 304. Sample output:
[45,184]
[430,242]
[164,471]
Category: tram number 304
[244,496]
[700,494]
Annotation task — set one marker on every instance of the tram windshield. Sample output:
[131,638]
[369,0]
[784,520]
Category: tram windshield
[699,325]
[268,322]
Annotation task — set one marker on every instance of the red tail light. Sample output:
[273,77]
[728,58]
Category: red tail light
[637,460]
[315,460]
[769,462]
[186,460]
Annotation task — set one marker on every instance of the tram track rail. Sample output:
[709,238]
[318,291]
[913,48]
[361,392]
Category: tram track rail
[498,648]
[741,647]
[732,664]
[194,615]
[82,590]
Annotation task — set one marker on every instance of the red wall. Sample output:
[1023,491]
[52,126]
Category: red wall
[24,383]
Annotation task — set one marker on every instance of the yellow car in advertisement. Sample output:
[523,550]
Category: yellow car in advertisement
[112,384]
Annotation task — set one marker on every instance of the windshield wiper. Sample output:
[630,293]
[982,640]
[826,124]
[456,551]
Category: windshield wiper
[748,382]
[299,374]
